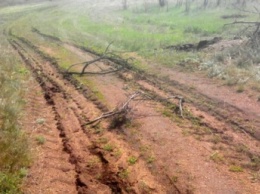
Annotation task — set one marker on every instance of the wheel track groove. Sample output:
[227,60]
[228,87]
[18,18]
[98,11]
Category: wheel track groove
[51,89]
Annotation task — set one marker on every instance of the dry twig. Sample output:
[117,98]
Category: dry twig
[181,100]
[118,110]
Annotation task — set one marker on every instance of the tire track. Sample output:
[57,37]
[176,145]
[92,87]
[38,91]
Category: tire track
[223,112]
[68,101]
[58,99]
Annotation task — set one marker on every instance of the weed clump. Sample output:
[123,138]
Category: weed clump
[40,140]
[236,169]
[108,147]
[132,160]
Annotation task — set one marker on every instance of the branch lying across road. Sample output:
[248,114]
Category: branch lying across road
[97,73]
[105,55]
[86,64]
[124,109]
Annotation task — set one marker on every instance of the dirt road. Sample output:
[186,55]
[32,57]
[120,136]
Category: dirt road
[213,149]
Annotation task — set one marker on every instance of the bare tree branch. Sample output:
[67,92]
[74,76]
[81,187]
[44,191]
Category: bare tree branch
[118,110]
[243,22]
[180,98]
[87,63]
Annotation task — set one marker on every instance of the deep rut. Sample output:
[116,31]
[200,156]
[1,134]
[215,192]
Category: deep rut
[68,123]
[71,110]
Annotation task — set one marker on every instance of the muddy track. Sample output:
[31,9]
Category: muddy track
[236,118]
[55,95]
[62,86]
[225,117]
[217,119]
[72,109]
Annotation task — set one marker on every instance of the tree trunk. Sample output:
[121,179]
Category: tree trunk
[162,3]
[205,4]
[187,6]
[218,2]
[124,4]
[179,3]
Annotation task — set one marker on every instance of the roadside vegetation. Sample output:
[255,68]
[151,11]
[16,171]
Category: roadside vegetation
[146,29]
[14,150]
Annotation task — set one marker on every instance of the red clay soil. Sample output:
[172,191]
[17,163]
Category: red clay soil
[156,152]
[180,156]
[83,159]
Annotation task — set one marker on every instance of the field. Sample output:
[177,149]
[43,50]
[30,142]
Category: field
[151,112]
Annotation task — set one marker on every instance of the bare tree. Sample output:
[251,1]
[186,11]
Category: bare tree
[162,3]
[218,3]
[124,4]
[205,3]
[179,3]
[187,6]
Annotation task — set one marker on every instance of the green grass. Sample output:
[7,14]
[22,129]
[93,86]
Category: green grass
[108,147]
[236,168]
[40,140]
[132,160]
[14,146]
[135,32]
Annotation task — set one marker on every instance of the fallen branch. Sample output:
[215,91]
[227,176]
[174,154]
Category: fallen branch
[254,33]
[243,22]
[87,63]
[97,73]
[124,109]
[181,100]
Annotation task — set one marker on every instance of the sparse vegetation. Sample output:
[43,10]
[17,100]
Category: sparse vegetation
[40,140]
[108,147]
[144,187]
[102,140]
[150,159]
[124,174]
[132,160]
[217,157]
[240,89]
[236,168]
[14,150]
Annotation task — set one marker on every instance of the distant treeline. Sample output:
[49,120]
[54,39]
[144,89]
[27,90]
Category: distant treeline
[18,2]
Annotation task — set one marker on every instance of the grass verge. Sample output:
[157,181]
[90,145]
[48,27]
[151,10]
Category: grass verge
[14,149]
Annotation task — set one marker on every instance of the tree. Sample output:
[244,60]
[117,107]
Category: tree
[124,4]
[162,3]
[218,2]
[187,6]
[179,3]
[205,3]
